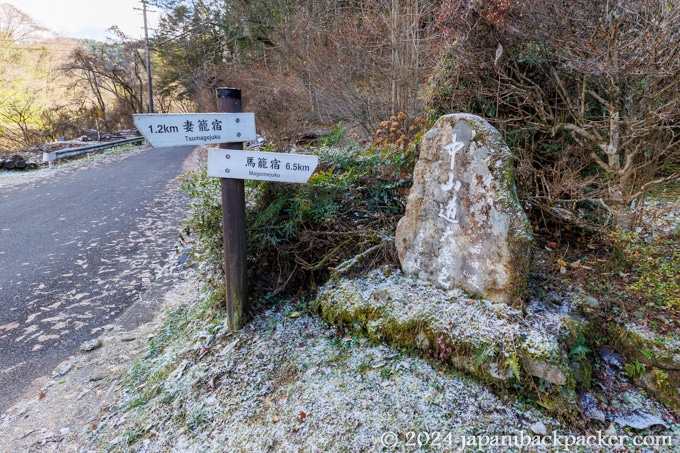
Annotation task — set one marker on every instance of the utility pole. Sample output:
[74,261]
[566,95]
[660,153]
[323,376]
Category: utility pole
[148,58]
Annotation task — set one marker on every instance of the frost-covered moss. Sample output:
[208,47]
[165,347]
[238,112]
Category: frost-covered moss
[288,385]
[660,356]
[493,342]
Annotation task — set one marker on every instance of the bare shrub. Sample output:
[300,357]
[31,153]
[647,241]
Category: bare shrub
[597,78]
[361,63]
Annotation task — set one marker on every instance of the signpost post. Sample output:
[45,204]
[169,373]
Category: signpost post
[229,127]
[234,225]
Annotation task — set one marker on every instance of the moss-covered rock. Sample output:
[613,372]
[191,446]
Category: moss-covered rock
[494,342]
[660,356]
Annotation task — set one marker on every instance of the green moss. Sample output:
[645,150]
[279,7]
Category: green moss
[582,371]
[664,384]
[654,264]
[651,361]
[377,307]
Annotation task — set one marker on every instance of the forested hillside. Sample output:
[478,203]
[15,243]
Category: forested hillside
[585,94]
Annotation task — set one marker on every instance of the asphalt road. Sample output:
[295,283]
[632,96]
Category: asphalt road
[76,249]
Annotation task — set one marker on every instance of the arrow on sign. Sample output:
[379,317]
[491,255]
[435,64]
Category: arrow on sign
[176,129]
[261,166]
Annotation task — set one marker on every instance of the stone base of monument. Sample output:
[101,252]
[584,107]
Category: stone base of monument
[521,351]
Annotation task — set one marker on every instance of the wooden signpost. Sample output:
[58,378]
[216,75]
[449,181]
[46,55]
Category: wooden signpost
[230,127]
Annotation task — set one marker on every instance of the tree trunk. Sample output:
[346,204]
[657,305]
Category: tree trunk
[625,212]
[624,217]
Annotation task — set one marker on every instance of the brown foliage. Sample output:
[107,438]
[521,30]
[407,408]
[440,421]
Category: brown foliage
[278,101]
[399,130]
[349,62]
[593,82]
[356,65]
[494,12]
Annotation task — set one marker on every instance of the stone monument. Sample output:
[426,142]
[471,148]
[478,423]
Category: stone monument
[464,226]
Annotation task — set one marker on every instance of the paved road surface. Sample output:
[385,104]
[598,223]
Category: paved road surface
[76,249]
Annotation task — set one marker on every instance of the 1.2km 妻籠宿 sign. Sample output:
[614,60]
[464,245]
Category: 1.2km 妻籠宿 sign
[177,129]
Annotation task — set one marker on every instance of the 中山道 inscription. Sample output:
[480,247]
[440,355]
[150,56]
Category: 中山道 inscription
[464,227]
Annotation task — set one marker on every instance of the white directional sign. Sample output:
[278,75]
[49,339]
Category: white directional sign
[261,166]
[175,129]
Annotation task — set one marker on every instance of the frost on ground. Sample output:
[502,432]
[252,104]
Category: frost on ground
[57,411]
[291,384]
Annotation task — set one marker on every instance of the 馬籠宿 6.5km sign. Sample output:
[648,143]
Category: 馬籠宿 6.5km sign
[178,129]
[261,166]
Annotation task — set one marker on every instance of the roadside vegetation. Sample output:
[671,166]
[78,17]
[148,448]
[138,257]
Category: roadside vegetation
[301,234]
[586,94]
